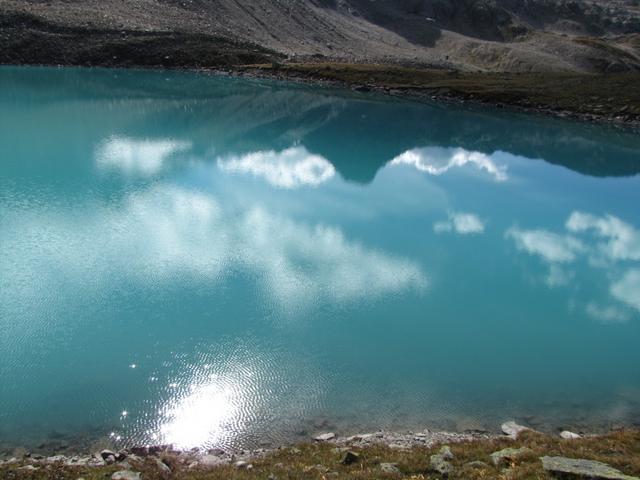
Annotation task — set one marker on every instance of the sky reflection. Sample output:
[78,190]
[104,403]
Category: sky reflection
[604,243]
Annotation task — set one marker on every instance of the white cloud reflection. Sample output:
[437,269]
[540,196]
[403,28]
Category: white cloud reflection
[137,157]
[167,231]
[437,161]
[627,289]
[291,168]
[461,223]
[605,242]
[550,246]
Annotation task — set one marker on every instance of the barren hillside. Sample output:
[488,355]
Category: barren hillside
[469,35]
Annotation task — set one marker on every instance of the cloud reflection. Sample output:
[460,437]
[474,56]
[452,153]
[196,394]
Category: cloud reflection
[437,161]
[137,157]
[167,231]
[604,242]
[461,223]
[290,168]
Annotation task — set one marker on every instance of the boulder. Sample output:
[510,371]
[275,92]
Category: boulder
[349,457]
[390,468]
[512,429]
[579,468]
[508,455]
[446,452]
[567,435]
[105,454]
[325,437]
[438,464]
[125,475]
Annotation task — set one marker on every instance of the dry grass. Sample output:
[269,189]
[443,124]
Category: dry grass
[322,462]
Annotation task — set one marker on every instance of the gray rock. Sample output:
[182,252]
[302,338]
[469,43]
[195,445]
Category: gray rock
[438,464]
[579,468]
[567,435]
[512,429]
[349,457]
[211,461]
[242,465]
[57,458]
[325,437]
[105,454]
[508,455]
[446,452]
[391,468]
[30,468]
[163,468]
[125,475]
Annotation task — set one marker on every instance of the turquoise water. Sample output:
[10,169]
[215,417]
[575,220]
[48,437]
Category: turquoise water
[208,261]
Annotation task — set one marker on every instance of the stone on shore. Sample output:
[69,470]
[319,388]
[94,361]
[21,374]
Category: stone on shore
[211,461]
[567,435]
[582,469]
[242,465]
[512,429]
[446,452]
[349,457]
[325,437]
[125,475]
[508,455]
[390,468]
[438,464]
[163,468]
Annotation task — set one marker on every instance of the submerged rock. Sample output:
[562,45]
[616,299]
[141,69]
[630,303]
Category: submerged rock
[125,475]
[512,429]
[579,468]
[567,435]
[508,455]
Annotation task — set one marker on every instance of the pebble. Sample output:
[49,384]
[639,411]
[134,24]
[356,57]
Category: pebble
[391,468]
[567,435]
[125,475]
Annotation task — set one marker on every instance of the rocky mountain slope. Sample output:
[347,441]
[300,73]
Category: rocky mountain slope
[601,36]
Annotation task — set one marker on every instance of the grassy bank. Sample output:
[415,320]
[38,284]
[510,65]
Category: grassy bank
[321,461]
[613,97]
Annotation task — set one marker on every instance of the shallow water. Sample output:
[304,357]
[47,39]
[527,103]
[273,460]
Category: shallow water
[222,262]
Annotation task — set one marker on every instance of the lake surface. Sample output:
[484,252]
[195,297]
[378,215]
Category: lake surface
[208,261]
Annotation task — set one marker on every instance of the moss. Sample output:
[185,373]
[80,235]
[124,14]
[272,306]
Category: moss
[621,450]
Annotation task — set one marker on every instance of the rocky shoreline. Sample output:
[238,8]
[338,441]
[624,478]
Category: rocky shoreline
[444,88]
[441,453]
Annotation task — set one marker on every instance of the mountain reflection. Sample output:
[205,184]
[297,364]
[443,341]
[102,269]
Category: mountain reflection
[238,117]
